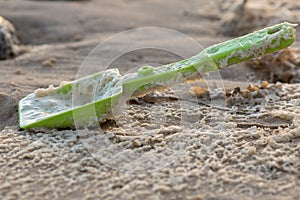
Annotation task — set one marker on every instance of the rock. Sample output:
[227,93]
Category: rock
[8,40]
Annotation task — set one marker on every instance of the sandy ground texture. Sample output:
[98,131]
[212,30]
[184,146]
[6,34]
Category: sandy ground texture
[188,142]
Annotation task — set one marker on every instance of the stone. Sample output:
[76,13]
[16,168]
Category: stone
[8,40]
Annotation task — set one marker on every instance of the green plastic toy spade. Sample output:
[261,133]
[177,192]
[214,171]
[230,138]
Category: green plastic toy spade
[85,101]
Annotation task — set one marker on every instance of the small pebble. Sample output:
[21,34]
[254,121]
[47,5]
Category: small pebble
[197,91]
[255,88]
[249,87]
[246,93]
[18,71]
[285,77]
[264,84]
[49,62]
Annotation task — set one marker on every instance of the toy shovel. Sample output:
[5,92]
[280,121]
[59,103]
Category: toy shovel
[92,98]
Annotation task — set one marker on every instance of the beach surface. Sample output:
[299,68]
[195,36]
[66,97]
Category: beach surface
[186,142]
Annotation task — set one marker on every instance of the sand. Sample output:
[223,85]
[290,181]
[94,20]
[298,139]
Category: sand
[182,143]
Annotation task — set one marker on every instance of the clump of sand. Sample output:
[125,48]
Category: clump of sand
[282,66]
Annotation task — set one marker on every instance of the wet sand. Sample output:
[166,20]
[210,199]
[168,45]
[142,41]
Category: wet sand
[241,148]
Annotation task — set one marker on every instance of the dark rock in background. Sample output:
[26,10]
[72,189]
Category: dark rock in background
[8,40]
